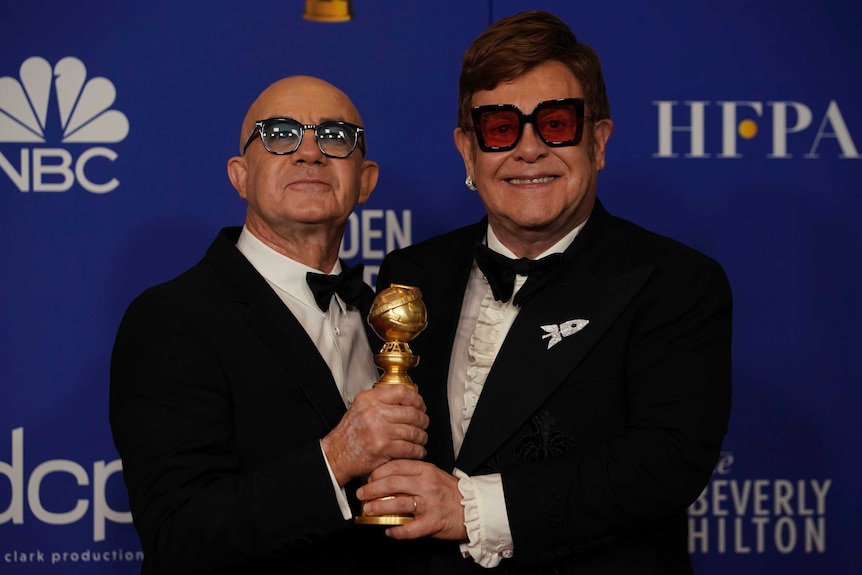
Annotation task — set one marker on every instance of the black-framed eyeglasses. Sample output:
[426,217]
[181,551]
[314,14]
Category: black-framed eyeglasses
[558,123]
[281,136]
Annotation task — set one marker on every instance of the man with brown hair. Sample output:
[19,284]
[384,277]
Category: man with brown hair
[576,367]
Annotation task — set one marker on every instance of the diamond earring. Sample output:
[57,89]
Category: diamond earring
[469,183]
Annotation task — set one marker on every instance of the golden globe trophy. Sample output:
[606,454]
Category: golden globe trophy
[328,10]
[397,316]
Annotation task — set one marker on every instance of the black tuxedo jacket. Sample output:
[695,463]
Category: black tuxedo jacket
[605,435]
[218,402]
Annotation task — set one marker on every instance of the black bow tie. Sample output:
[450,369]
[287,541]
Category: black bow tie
[500,272]
[348,285]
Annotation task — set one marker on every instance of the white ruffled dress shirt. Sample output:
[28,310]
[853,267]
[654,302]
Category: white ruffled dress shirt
[483,326]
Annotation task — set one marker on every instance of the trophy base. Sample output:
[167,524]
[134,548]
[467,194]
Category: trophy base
[383,519]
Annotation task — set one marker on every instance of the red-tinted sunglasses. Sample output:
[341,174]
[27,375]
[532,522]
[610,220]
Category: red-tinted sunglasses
[558,123]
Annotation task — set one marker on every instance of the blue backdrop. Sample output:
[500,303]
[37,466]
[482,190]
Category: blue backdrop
[738,131]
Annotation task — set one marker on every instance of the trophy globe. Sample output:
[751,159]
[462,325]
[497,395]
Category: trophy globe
[397,316]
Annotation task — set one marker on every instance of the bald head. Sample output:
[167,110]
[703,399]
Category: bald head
[300,98]
[299,201]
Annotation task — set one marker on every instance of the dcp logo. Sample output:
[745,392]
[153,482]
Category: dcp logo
[83,110]
[792,124]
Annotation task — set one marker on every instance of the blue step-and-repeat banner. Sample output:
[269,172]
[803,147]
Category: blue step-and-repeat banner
[738,131]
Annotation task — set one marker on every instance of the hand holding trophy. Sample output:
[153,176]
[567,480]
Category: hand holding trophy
[397,316]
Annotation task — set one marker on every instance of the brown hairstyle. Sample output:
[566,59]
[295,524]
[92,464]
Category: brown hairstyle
[516,44]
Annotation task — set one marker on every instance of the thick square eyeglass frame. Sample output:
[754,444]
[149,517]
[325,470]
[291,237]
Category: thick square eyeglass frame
[531,118]
[258,128]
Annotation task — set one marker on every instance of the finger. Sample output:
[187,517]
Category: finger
[376,488]
[390,505]
[399,395]
[408,433]
[403,450]
[404,467]
[404,414]
[405,432]
[402,411]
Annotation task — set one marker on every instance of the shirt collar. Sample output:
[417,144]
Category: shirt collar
[279,270]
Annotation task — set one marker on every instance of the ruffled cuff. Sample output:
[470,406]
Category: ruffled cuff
[485,517]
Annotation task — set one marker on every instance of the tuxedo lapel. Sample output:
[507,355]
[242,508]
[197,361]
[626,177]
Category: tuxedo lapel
[551,335]
[288,341]
[277,328]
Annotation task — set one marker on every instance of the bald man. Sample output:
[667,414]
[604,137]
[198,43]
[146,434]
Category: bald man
[241,396]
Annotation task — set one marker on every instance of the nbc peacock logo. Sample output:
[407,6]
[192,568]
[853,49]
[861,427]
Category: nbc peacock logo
[83,109]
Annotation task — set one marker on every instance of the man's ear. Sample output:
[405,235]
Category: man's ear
[236,171]
[464,141]
[601,134]
[368,174]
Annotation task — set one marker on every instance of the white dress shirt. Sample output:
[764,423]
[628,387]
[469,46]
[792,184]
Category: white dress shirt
[482,328]
[338,333]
